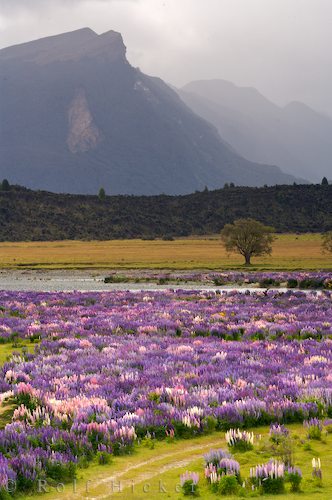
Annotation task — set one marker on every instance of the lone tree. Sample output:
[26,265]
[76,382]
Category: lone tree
[249,238]
[325,182]
[327,241]
[102,194]
[5,186]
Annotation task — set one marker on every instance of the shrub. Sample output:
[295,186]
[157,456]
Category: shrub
[267,282]
[163,281]
[292,283]
[239,440]
[278,433]
[314,427]
[269,477]
[4,495]
[148,237]
[311,283]
[328,284]
[209,424]
[189,484]
[218,281]
[226,467]
[328,426]
[114,278]
[61,471]
[294,476]
[103,457]
[228,485]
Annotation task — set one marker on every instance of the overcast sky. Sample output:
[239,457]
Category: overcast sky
[281,47]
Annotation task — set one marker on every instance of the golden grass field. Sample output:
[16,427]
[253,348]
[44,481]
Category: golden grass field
[289,252]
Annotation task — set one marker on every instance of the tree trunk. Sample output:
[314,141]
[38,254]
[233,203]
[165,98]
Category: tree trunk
[247,262]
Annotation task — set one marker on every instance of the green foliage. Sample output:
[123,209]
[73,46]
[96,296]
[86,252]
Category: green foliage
[311,283]
[268,282]
[314,432]
[210,424]
[40,216]
[4,495]
[228,485]
[102,194]
[241,446]
[219,281]
[295,481]
[282,450]
[327,241]
[190,489]
[153,396]
[292,283]
[248,237]
[103,458]
[274,486]
[64,472]
[27,400]
[115,278]
[5,186]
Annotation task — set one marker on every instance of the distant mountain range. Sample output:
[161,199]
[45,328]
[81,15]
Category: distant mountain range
[295,137]
[76,116]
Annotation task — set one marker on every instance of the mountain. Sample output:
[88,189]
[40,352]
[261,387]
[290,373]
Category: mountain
[75,116]
[295,137]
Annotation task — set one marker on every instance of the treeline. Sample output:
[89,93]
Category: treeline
[27,215]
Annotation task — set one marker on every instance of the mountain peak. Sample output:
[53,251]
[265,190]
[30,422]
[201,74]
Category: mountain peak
[76,115]
[72,45]
[225,93]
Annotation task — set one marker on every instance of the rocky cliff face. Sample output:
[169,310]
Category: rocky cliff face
[83,134]
[75,116]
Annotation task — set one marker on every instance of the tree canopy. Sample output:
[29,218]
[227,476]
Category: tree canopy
[5,186]
[248,237]
[102,193]
[327,241]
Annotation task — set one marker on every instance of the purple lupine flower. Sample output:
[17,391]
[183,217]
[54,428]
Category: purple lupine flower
[214,456]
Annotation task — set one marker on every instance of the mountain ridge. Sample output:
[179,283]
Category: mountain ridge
[77,116]
[295,137]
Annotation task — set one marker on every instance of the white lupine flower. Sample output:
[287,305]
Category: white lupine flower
[316,464]
[233,436]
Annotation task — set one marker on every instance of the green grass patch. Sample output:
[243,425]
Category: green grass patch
[8,349]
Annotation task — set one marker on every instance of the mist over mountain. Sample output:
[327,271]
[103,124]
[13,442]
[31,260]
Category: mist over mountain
[295,137]
[75,116]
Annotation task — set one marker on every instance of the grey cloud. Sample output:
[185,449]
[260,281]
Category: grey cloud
[10,7]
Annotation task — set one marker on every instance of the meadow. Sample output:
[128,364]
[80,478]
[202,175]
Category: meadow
[139,386]
[290,251]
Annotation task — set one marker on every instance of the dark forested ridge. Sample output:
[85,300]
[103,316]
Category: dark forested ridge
[39,215]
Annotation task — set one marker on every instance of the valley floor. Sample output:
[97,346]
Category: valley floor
[290,251]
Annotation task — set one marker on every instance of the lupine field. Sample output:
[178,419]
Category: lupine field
[288,279]
[108,369]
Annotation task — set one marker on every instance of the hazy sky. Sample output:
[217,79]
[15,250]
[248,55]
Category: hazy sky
[281,47]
